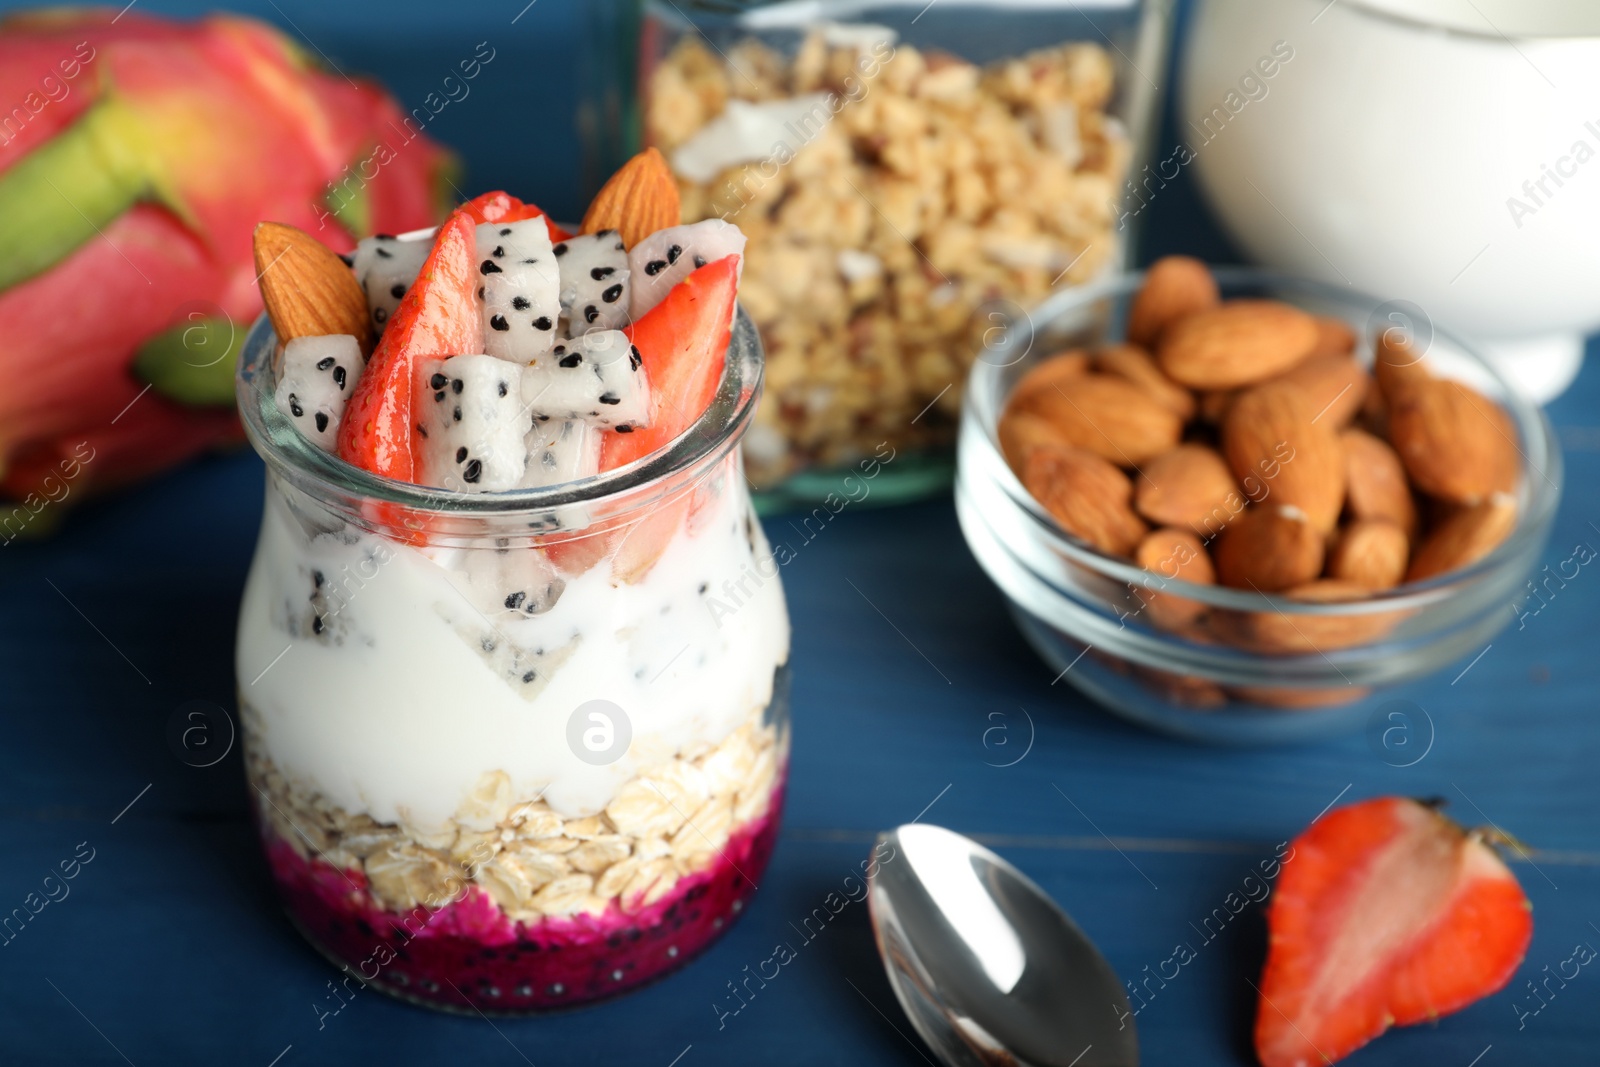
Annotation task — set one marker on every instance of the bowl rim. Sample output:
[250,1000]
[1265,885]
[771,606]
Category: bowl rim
[1538,492]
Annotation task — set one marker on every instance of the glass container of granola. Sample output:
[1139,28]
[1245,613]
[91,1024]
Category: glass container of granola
[910,178]
[519,750]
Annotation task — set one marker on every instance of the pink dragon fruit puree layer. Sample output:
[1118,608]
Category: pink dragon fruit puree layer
[470,954]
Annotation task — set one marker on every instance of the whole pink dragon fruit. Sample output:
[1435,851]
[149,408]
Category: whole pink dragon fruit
[137,155]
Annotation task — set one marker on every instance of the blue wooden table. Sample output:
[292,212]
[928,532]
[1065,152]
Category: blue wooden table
[913,695]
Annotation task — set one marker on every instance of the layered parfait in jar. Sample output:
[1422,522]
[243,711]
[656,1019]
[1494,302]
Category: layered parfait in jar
[512,650]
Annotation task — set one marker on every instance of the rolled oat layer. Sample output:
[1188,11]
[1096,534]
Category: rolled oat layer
[668,823]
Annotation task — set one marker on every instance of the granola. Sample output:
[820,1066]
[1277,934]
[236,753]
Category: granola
[910,193]
[668,822]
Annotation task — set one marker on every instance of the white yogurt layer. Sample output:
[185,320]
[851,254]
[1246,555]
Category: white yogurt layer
[413,688]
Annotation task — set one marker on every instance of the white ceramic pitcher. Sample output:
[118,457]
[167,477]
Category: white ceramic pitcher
[1445,153]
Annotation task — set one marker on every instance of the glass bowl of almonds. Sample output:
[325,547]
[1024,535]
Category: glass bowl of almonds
[1244,507]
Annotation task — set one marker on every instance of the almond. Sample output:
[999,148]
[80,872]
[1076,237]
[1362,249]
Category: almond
[1336,386]
[1178,555]
[1047,373]
[1375,410]
[1376,486]
[1280,453]
[1086,495]
[1281,633]
[1238,343]
[1284,696]
[1133,364]
[1107,416]
[1456,443]
[1269,548]
[639,199]
[1396,365]
[1183,689]
[1021,432]
[1174,286]
[1334,337]
[1464,538]
[1371,553]
[307,288]
[1191,486]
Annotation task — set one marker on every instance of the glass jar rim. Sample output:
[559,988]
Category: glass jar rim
[1541,471]
[290,454]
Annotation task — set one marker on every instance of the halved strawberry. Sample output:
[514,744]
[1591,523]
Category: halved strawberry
[1386,913]
[438,317]
[503,207]
[684,343]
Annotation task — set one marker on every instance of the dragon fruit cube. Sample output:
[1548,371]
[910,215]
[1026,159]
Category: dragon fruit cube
[318,376]
[473,423]
[668,256]
[386,265]
[521,289]
[560,452]
[507,583]
[594,282]
[597,378]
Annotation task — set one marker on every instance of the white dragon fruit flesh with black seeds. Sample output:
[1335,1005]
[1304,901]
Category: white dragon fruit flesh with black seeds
[560,451]
[520,288]
[386,265]
[668,256]
[318,376]
[597,378]
[594,282]
[309,612]
[473,424]
[503,584]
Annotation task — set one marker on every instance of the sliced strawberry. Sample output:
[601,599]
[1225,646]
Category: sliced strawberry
[684,343]
[438,317]
[503,207]
[576,554]
[1386,913]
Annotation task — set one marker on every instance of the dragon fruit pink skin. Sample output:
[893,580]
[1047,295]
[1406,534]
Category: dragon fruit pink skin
[210,127]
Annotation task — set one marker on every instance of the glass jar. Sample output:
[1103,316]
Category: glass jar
[518,750]
[910,177]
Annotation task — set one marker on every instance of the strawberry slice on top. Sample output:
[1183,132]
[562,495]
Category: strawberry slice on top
[437,317]
[500,206]
[684,344]
[1386,913]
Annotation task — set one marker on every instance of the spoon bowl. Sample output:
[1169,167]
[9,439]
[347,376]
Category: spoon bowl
[988,968]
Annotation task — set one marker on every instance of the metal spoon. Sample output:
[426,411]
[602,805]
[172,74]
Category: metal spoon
[989,969]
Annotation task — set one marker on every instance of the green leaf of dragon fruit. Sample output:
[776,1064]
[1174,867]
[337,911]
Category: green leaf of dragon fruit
[193,362]
[67,191]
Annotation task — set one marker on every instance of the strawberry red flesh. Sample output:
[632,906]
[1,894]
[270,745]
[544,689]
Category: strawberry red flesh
[438,317]
[503,207]
[684,343]
[1386,914]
